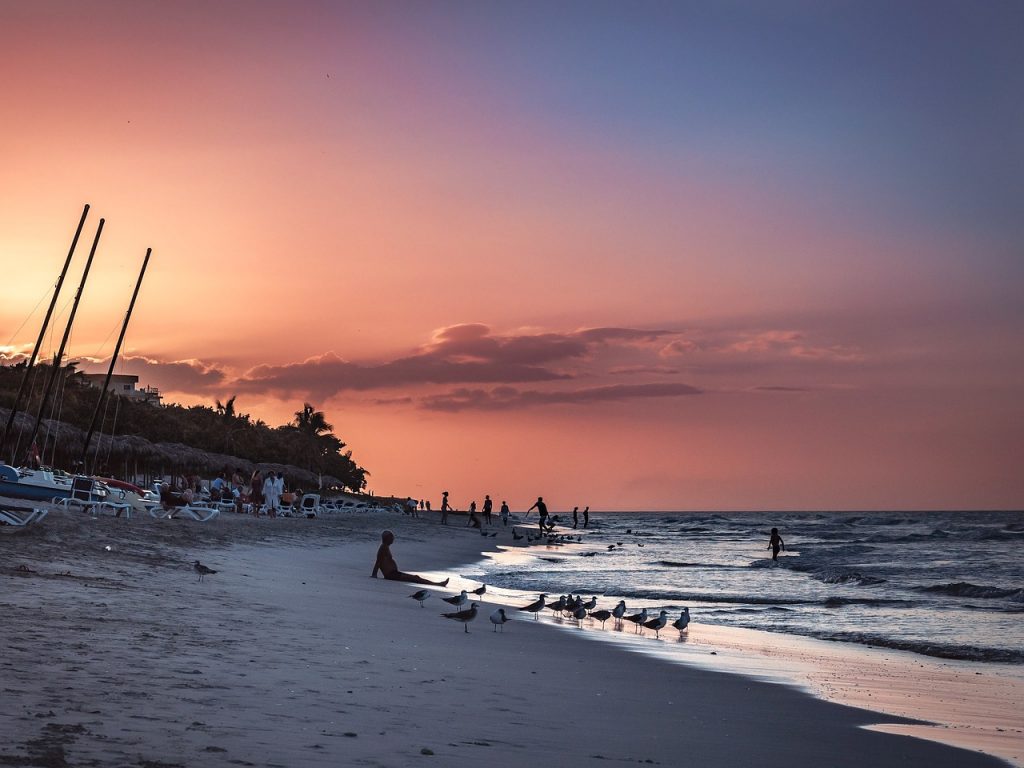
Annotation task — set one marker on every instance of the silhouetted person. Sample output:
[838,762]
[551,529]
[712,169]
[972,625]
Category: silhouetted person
[575,517]
[775,543]
[445,509]
[473,521]
[542,510]
[388,568]
[504,513]
[488,504]
[586,516]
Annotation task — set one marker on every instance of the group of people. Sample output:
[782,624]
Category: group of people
[264,493]
[547,523]
[484,514]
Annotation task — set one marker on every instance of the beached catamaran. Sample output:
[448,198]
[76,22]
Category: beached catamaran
[35,483]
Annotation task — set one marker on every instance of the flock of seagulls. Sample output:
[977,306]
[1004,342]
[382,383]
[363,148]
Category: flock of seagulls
[567,606]
[577,608]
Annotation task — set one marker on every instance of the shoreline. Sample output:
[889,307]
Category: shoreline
[963,703]
[291,632]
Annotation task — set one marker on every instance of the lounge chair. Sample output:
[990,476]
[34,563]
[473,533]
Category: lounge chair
[310,505]
[193,511]
[19,517]
[83,495]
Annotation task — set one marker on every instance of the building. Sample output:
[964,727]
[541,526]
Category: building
[125,385]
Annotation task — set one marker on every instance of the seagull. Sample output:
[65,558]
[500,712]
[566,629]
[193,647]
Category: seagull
[202,570]
[580,614]
[602,616]
[465,616]
[420,596]
[657,624]
[480,590]
[457,600]
[535,607]
[619,611]
[591,604]
[559,606]
[638,619]
[683,621]
[498,619]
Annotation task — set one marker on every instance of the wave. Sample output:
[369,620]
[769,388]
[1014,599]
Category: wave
[667,596]
[927,648]
[966,589]
[711,566]
[827,574]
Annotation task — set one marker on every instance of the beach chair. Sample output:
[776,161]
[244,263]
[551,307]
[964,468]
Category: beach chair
[196,512]
[18,517]
[310,505]
[83,495]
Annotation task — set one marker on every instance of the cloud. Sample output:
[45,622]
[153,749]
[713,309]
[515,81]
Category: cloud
[505,398]
[781,389]
[661,370]
[194,376]
[468,353]
[678,347]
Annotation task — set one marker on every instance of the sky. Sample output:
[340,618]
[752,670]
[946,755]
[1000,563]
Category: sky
[650,256]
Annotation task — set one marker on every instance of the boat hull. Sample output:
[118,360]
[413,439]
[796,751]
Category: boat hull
[14,486]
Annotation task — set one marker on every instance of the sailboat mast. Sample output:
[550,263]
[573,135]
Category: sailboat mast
[67,333]
[42,335]
[113,359]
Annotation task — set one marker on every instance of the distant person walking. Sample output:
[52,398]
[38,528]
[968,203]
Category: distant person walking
[586,516]
[775,543]
[504,513]
[542,510]
[473,521]
[488,505]
[270,494]
[575,517]
[256,491]
[445,508]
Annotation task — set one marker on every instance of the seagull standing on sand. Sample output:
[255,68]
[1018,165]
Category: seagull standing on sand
[683,621]
[619,611]
[535,607]
[498,619]
[465,616]
[603,615]
[480,590]
[420,596]
[638,619]
[657,624]
[457,600]
[202,570]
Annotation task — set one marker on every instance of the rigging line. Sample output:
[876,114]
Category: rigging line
[29,316]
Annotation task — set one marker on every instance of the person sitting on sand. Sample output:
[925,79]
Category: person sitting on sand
[473,521]
[775,542]
[388,568]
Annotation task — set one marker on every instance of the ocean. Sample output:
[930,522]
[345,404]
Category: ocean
[942,584]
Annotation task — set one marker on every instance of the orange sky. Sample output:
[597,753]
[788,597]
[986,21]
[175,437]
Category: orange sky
[525,251]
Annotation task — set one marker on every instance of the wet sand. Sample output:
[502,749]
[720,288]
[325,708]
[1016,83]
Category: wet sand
[291,655]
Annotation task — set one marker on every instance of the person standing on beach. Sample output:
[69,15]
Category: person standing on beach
[775,542]
[586,516]
[488,505]
[270,494]
[575,517]
[473,519]
[444,508]
[256,491]
[504,513]
[542,510]
[385,563]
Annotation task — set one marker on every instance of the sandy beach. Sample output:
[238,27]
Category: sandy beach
[115,654]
